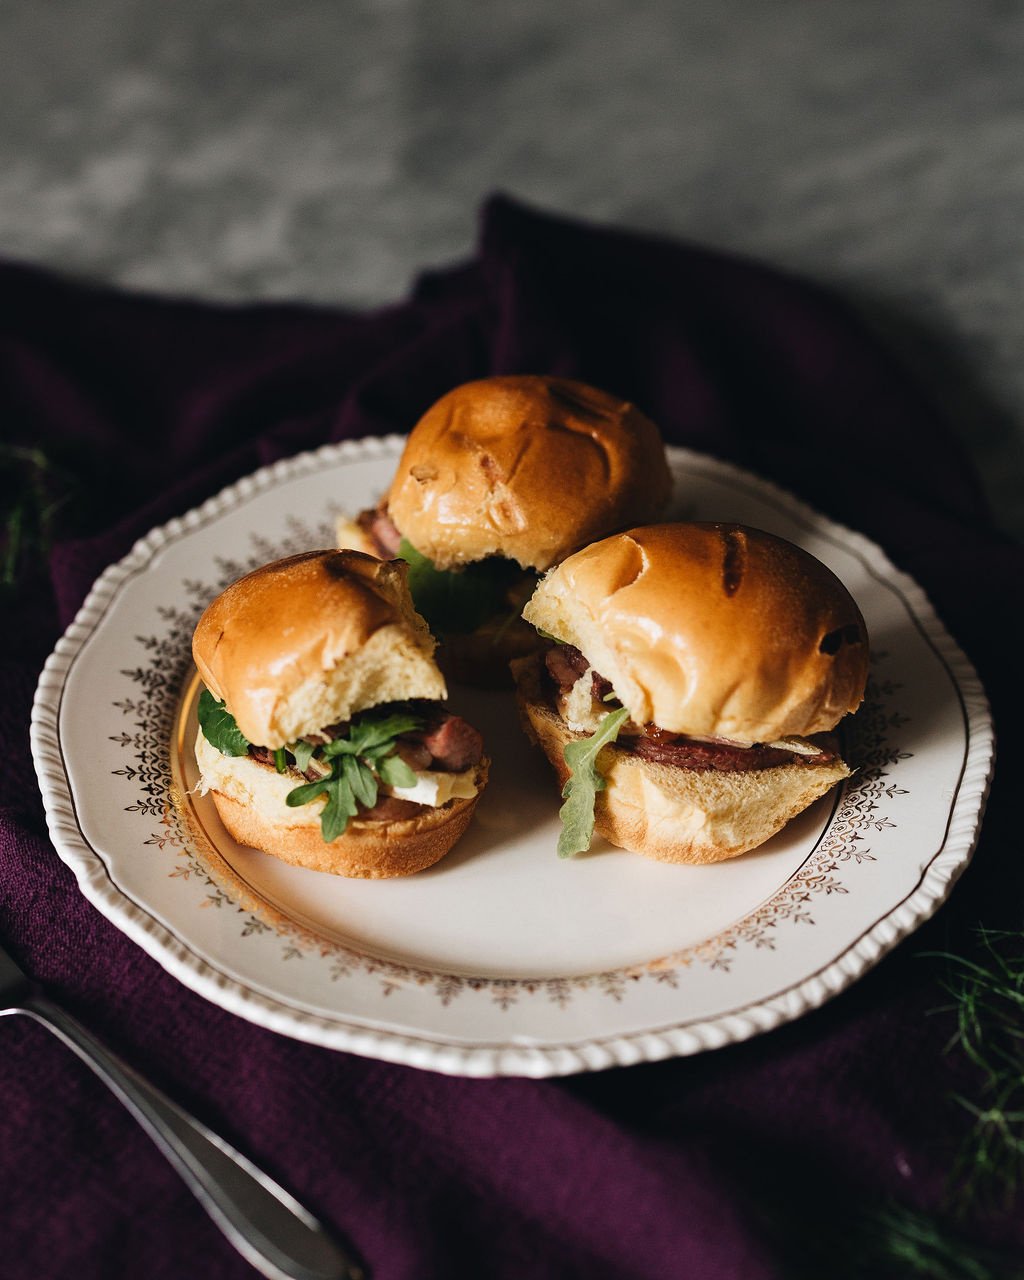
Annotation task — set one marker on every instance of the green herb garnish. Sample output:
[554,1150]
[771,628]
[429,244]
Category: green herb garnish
[219,728]
[584,782]
[457,601]
[32,490]
[359,762]
[987,987]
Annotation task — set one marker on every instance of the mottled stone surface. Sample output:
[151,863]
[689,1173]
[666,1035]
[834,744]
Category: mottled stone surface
[327,149]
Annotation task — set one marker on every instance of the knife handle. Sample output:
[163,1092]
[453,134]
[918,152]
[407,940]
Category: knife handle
[267,1226]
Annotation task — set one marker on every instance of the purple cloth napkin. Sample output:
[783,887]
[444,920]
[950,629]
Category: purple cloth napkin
[737,1163]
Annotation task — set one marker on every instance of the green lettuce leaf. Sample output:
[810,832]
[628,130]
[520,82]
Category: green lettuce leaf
[457,601]
[219,728]
[584,782]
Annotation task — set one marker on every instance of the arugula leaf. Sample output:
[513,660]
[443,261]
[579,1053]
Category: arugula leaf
[303,753]
[457,601]
[369,734]
[359,762]
[361,781]
[394,772]
[339,808]
[584,782]
[219,728]
[307,792]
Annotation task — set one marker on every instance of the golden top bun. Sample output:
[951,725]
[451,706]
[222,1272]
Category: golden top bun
[250,801]
[308,641]
[526,467]
[673,814]
[711,630]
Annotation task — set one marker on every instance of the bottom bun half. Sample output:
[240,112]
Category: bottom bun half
[249,798]
[675,814]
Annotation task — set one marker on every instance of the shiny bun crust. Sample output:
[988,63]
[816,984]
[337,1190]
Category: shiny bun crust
[529,468]
[249,800]
[675,814]
[712,630]
[308,641]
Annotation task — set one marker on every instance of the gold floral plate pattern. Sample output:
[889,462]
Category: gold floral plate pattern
[502,959]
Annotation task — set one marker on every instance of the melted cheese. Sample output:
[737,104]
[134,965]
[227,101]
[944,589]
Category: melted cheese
[436,788]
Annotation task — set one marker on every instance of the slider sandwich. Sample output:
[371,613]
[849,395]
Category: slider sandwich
[694,677]
[323,739]
[499,480]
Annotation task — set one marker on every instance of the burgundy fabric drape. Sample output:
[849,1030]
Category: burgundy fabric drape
[739,1163]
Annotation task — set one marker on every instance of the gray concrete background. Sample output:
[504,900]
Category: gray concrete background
[328,149]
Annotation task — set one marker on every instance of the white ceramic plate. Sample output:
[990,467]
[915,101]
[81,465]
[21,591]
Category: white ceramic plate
[502,959]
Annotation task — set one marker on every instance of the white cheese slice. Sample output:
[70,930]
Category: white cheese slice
[436,788]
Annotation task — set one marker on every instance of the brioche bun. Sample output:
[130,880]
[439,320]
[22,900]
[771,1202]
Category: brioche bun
[525,467]
[711,630]
[308,641]
[675,814]
[250,800]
